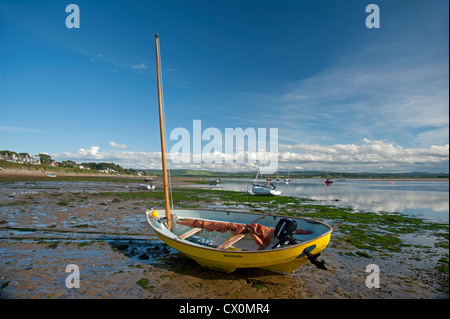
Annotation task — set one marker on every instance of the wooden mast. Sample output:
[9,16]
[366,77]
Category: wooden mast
[161,127]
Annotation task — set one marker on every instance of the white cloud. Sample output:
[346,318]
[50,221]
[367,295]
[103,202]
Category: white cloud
[125,159]
[141,66]
[370,156]
[89,153]
[116,145]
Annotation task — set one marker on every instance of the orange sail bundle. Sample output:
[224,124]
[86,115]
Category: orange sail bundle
[262,235]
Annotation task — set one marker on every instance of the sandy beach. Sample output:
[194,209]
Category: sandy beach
[45,227]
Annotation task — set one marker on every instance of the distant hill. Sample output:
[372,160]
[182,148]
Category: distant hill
[296,174]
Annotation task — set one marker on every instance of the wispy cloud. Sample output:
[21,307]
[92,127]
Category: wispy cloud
[379,93]
[116,145]
[19,129]
[368,102]
[94,58]
[141,66]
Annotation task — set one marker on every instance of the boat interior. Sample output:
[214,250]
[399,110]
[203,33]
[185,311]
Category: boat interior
[227,240]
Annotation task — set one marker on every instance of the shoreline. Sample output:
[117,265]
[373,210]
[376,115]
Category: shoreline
[23,174]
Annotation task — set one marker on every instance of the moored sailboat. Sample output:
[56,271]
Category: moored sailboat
[265,189]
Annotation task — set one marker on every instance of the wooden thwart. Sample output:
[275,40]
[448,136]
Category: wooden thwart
[189,233]
[231,241]
[238,237]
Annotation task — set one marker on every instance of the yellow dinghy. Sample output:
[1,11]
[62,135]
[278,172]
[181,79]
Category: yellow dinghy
[226,240]
[225,251]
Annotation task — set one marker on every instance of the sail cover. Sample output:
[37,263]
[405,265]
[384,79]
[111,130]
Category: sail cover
[262,235]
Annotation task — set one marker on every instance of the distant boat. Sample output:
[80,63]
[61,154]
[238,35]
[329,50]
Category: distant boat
[215,181]
[264,189]
[267,189]
[51,175]
[328,181]
[147,186]
[287,180]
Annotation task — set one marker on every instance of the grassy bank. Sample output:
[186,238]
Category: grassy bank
[33,169]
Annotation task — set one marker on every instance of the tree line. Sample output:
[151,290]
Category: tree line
[47,160]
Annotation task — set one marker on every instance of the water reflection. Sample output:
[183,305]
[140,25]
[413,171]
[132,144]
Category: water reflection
[429,199]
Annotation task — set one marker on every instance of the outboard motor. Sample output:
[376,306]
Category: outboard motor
[284,232]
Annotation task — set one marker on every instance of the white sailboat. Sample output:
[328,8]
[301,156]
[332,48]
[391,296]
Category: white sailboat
[264,188]
[287,180]
[147,186]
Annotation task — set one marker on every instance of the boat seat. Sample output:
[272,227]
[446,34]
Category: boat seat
[189,233]
[231,241]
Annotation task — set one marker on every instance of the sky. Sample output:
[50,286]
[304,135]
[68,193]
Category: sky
[344,97]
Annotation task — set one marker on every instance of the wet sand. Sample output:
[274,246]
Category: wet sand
[46,227]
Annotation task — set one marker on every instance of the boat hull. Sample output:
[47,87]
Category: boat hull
[262,191]
[285,259]
[144,186]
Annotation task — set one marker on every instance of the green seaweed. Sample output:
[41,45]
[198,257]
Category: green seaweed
[144,284]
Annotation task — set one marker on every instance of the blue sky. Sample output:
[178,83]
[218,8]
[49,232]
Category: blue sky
[343,97]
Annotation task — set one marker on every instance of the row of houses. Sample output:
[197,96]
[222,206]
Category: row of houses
[30,159]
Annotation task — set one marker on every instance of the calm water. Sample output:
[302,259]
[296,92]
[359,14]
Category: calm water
[425,199]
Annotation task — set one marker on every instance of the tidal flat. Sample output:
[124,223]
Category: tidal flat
[100,226]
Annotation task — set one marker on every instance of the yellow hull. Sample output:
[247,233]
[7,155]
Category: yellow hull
[286,259]
[283,260]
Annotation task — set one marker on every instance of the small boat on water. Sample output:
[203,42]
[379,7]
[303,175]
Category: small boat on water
[287,180]
[264,188]
[226,240]
[327,180]
[215,181]
[147,186]
[267,189]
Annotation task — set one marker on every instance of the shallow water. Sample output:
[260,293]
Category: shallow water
[425,199]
